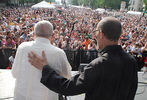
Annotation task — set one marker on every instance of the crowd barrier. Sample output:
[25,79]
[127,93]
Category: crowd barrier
[4,57]
[75,57]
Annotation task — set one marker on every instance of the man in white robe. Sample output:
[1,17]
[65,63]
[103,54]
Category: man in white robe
[28,86]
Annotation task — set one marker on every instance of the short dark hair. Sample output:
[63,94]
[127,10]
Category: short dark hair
[111,28]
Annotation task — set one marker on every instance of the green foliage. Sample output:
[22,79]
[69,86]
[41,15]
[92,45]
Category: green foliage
[145,2]
[115,4]
[50,0]
[29,1]
[75,2]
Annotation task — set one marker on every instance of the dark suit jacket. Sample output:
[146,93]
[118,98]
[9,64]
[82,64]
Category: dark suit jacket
[112,76]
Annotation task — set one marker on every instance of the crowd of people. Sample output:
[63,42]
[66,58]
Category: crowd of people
[74,28]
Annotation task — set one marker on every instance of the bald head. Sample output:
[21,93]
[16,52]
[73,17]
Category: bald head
[43,29]
[111,28]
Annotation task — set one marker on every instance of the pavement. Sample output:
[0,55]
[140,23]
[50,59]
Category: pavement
[141,93]
[7,84]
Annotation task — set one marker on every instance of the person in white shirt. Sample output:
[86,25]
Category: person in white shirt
[28,86]
[11,58]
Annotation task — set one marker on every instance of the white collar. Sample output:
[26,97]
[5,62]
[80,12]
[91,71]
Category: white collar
[42,40]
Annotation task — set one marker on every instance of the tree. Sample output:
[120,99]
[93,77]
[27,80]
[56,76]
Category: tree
[93,3]
[145,3]
[75,2]
[115,4]
[50,1]
[29,1]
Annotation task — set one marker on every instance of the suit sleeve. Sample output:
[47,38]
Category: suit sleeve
[17,63]
[80,83]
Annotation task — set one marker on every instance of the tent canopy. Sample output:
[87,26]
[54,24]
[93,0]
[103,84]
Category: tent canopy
[80,7]
[134,13]
[100,9]
[43,4]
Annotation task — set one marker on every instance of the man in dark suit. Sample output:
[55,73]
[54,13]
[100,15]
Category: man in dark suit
[112,76]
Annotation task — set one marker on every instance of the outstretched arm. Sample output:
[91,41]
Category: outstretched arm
[61,85]
[81,83]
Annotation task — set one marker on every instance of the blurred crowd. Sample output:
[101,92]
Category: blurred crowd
[73,28]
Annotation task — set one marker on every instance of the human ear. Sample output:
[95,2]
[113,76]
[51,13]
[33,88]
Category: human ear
[101,35]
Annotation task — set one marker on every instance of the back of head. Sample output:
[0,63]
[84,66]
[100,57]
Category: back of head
[43,29]
[111,28]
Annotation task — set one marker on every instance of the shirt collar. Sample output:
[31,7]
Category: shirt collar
[111,48]
[42,40]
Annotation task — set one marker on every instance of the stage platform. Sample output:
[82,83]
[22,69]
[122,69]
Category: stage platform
[7,83]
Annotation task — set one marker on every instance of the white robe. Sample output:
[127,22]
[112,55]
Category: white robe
[28,86]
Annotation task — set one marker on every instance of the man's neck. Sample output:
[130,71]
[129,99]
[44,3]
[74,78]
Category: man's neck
[108,43]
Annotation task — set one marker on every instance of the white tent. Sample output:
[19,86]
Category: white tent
[80,7]
[134,13]
[43,4]
[100,10]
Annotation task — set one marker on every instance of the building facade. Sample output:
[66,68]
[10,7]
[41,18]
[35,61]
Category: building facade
[136,5]
[123,6]
[8,2]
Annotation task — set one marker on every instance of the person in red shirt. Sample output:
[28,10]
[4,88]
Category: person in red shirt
[87,42]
